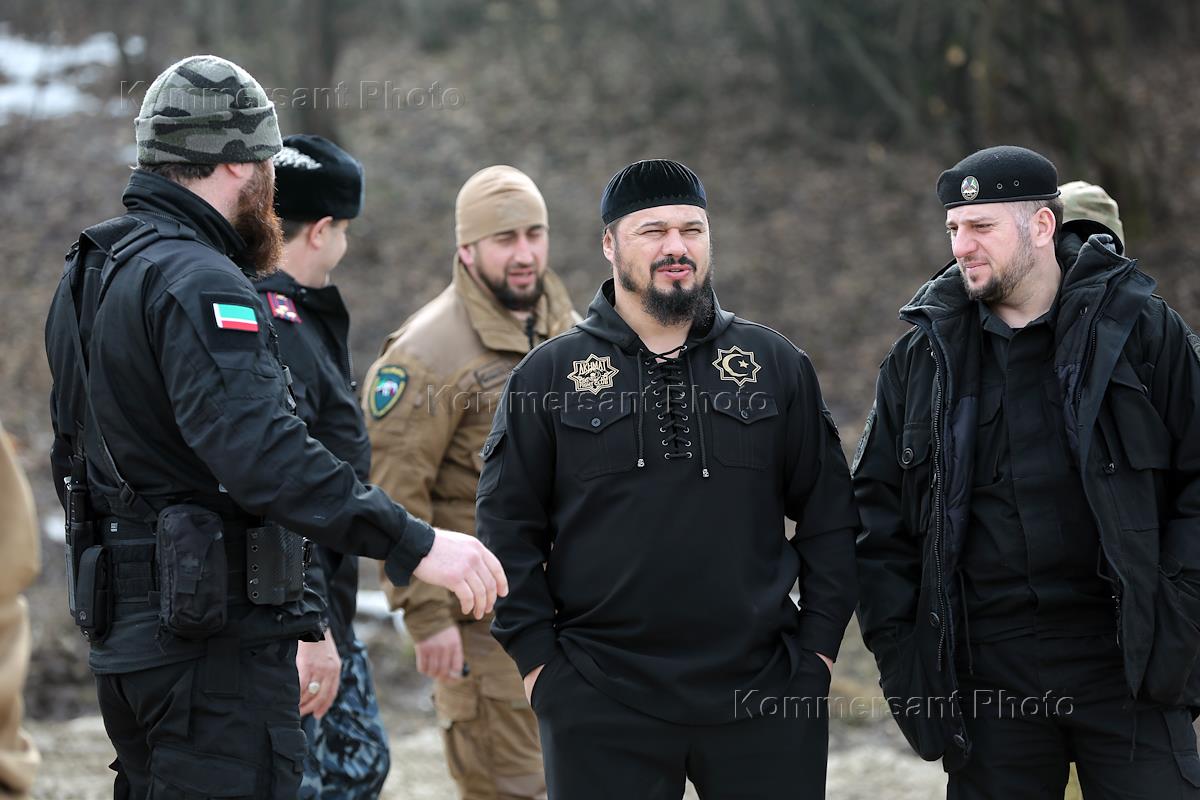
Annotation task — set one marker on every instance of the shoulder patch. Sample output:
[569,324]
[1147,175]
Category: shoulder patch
[234,317]
[389,386]
[224,318]
[863,441]
[1194,341]
[282,307]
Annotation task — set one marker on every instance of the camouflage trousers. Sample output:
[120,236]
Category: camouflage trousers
[348,756]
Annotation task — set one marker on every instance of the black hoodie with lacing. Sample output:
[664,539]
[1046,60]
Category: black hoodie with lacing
[645,541]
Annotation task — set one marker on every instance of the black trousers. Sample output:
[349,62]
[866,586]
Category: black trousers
[596,748]
[1035,705]
[225,725]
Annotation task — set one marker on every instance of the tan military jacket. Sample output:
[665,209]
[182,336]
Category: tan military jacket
[429,401]
[20,545]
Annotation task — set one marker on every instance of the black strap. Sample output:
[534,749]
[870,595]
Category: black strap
[120,238]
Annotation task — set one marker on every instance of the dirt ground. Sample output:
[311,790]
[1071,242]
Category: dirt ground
[868,758]
[865,763]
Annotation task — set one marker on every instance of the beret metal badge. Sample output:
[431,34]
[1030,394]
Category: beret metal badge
[737,365]
[593,374]
[969,188]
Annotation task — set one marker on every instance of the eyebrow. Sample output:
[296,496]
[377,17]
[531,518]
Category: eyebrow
[658,223]
[515,231]
[971,221]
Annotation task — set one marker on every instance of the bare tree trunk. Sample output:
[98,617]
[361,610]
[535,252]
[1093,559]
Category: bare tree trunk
[318,54]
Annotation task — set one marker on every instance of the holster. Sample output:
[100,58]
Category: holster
[93,594]
[275,562]
[79,531]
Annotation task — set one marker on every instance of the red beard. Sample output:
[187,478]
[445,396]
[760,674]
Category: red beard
[258,224]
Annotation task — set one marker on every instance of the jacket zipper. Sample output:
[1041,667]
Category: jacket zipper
[1088,355]
[1084,367]
[938,499]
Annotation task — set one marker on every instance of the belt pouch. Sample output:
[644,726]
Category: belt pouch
[192,572]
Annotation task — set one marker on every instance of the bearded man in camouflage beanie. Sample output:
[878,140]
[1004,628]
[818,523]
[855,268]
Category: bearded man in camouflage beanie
[187,479]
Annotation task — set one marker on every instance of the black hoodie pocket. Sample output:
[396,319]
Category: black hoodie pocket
[741,436]
[598,441]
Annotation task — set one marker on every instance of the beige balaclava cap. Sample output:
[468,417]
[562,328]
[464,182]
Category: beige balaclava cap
[1087,201]
[495,199]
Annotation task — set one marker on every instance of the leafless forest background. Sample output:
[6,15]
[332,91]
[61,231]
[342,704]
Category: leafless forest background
[819,129]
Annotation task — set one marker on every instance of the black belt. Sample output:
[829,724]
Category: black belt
[132,545]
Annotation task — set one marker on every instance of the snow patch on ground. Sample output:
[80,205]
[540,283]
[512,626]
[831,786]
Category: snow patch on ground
[43,79]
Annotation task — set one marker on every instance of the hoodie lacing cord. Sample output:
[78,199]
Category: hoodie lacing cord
[699,422]
[671,407]
[641,448]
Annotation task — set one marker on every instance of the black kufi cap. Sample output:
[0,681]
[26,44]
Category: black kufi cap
[1003,174]
[650,183]
[315,178]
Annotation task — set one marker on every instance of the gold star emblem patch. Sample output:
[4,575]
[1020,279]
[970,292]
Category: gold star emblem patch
[737,365]
[593,374]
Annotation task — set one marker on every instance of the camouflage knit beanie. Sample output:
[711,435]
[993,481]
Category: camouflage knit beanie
[206,110]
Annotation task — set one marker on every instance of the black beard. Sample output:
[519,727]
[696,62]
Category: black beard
[512,300]
[676,305]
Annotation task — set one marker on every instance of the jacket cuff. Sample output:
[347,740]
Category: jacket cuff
[413,545]
[427,622]
[820,635]
[533,648]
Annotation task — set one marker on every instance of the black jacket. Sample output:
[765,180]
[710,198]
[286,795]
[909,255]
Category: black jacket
[1129,373]
[667,569]
[196,412]
[314,332]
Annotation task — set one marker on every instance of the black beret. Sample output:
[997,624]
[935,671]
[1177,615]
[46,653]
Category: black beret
[650,183]
[1003,174]
[315,178]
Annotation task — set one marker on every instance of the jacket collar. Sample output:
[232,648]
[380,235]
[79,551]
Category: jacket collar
[1091,264]
[326,300]
[497,328]
[153,194]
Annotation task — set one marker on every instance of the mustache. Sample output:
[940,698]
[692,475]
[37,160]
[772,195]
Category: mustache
[672,261]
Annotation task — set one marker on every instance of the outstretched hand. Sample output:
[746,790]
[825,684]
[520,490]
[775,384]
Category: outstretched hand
[462,564]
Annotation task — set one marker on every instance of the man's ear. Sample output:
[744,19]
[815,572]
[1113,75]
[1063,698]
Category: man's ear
[1044,226]
[317,232]
[607,243]
[241,171]
[466,255]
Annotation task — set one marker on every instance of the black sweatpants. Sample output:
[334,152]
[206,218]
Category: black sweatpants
[596,748]
[224,725]
[1035,705]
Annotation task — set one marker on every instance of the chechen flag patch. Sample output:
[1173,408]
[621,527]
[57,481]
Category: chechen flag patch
[233,317]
